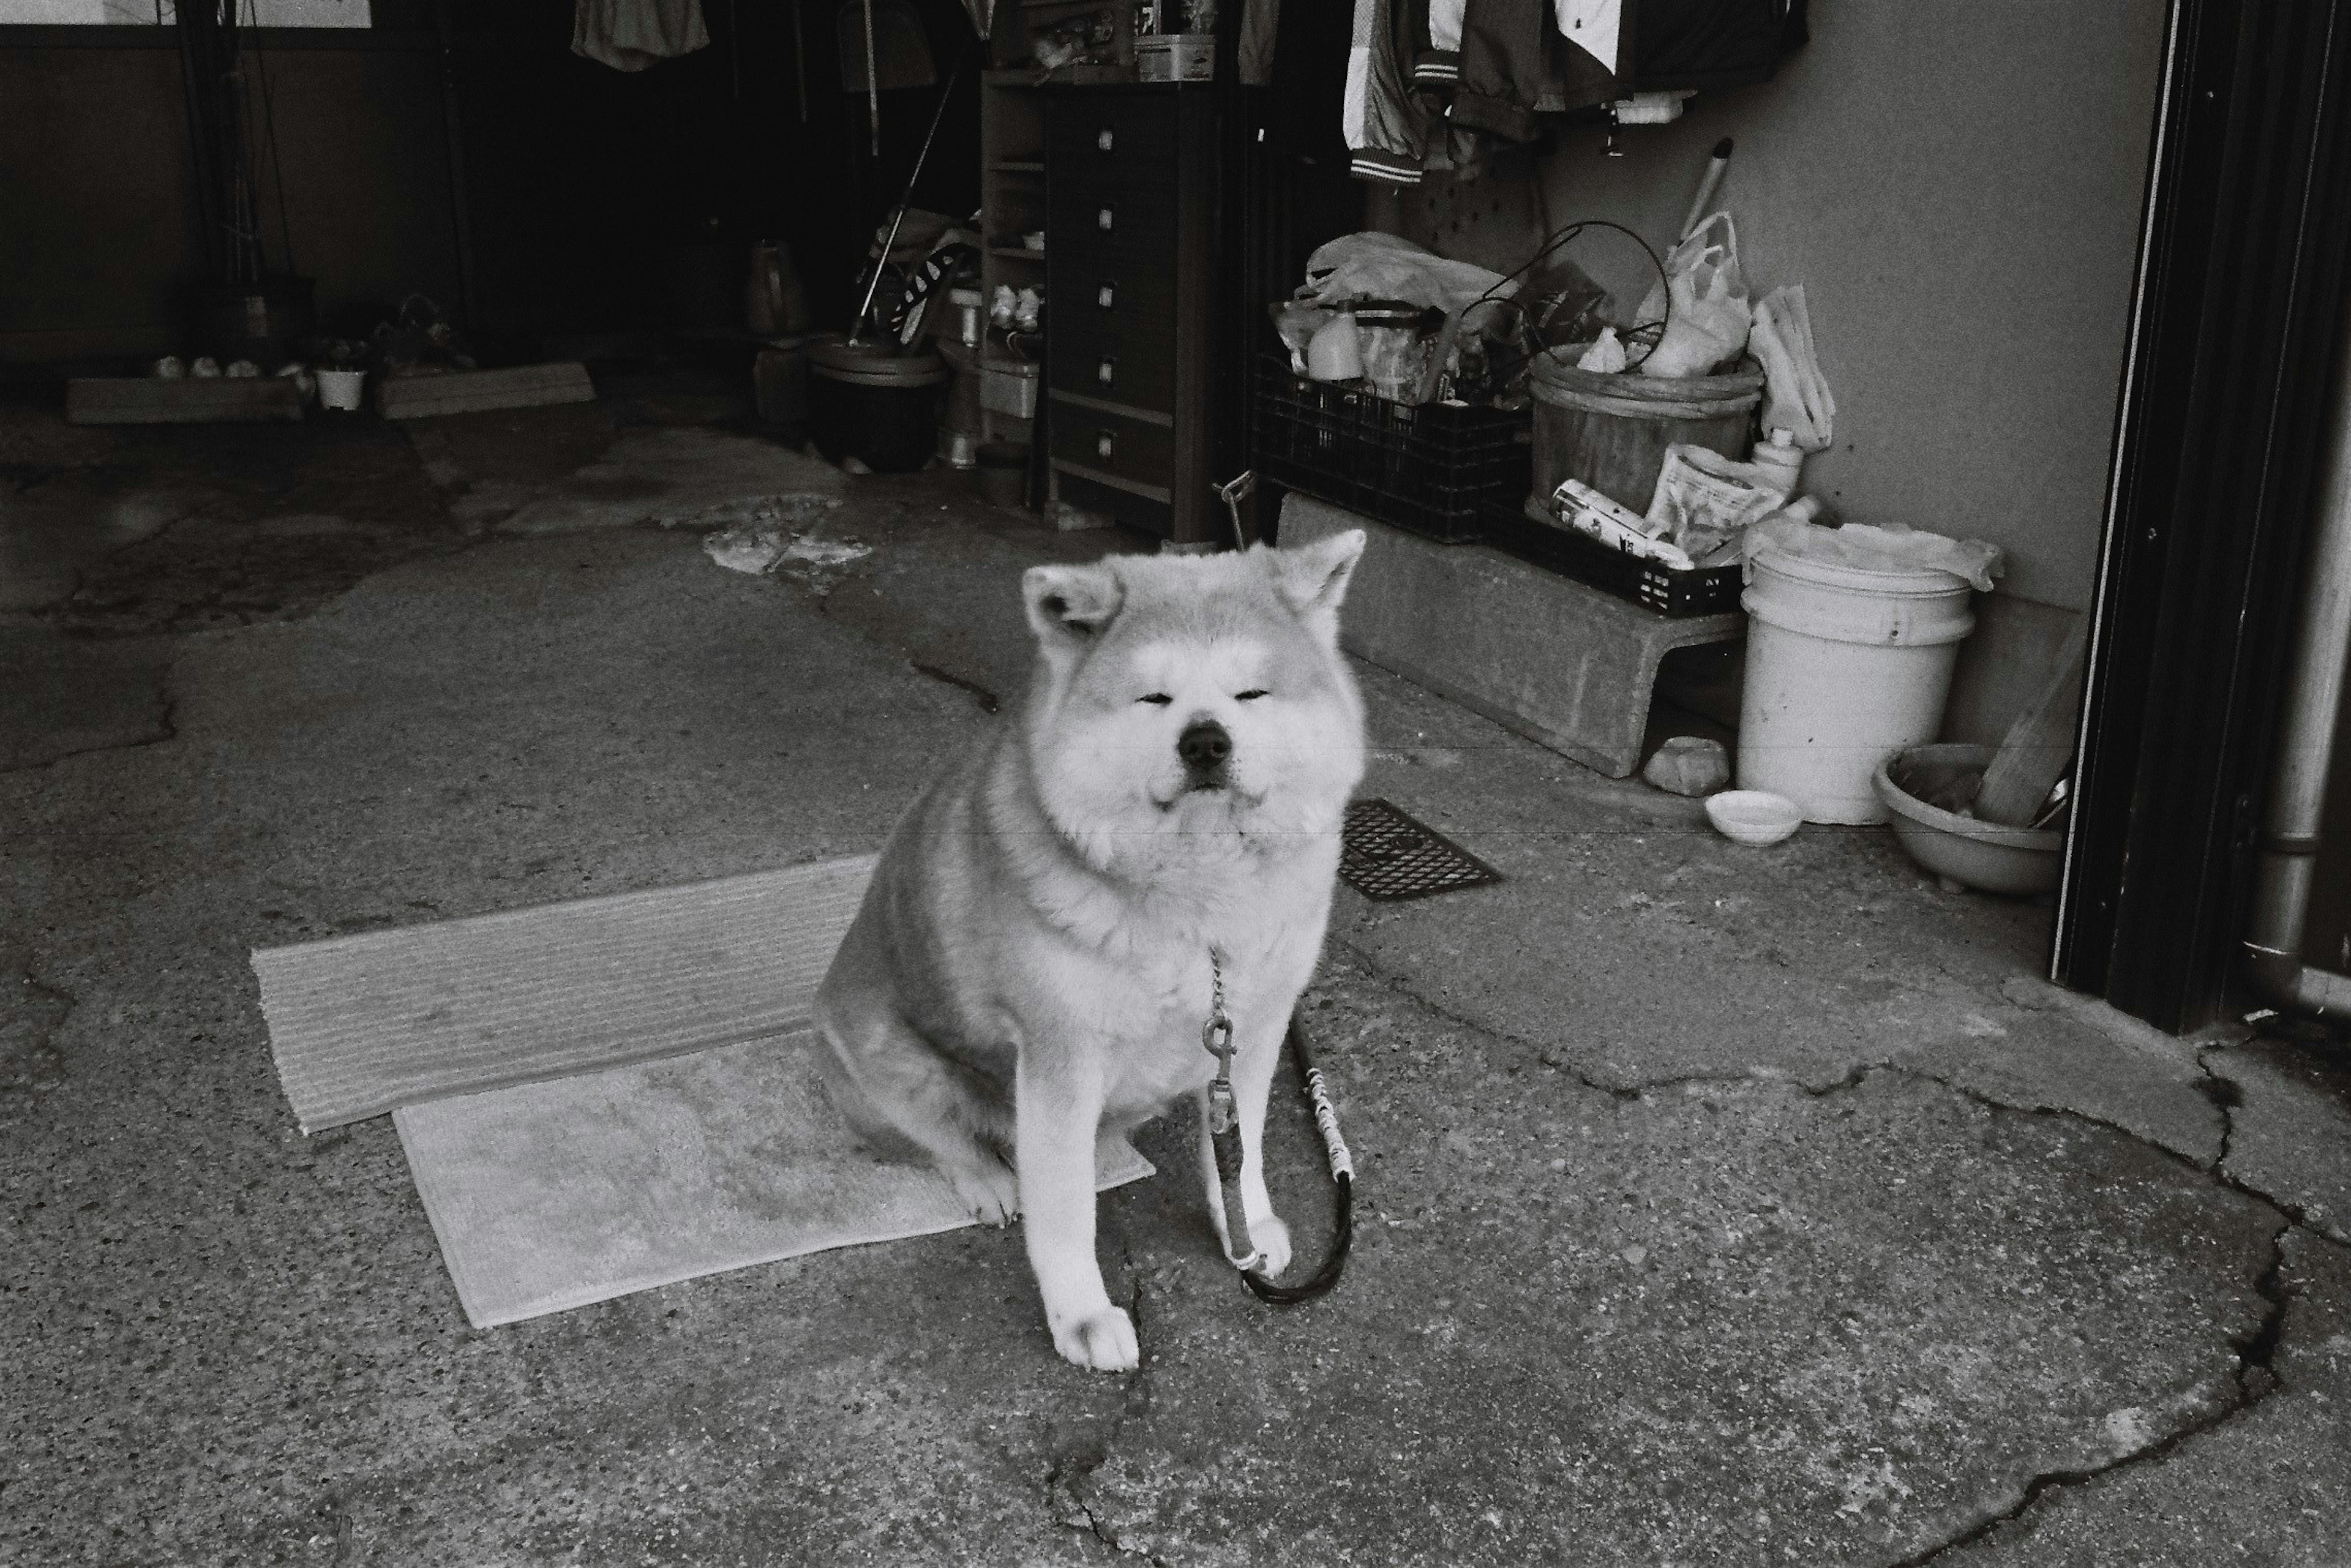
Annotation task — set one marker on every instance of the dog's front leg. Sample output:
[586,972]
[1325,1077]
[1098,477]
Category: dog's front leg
[1253,1068]
[1058,1117]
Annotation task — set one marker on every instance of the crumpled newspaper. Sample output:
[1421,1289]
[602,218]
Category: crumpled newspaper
[758,548]
[1892,548]
[1373,265]
[1703,501]
[762,534]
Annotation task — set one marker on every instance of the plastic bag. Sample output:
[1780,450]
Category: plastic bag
[1795,394]
[1710,313]
[1606,355]
[1893,547]
[1374,265]
[1703,501]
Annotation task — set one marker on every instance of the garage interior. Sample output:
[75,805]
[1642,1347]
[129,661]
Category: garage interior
[1718,1203]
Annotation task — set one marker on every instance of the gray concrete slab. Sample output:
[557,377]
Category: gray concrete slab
[2291,1128]
[1716,1206]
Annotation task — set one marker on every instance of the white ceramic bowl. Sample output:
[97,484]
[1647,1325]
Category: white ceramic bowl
[1753,816]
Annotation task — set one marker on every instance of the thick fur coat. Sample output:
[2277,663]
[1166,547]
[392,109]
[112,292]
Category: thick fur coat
[1033,960]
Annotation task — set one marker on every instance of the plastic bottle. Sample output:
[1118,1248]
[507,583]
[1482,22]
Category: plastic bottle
[1783,460]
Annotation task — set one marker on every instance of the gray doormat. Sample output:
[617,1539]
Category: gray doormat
[607,1095]
[552,1196]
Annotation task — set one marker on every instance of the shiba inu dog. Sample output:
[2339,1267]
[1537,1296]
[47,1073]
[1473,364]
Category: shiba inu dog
[1045,935]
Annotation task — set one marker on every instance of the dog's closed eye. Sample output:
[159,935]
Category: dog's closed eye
[1250,695]
[1157,699]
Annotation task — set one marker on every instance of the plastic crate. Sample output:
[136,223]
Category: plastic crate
[1707,592]
[1433,469]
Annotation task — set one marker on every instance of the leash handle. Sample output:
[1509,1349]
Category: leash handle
[1326,1121]
[1343,1177]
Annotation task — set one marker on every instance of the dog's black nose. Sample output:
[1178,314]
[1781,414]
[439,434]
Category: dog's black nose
[1204,745]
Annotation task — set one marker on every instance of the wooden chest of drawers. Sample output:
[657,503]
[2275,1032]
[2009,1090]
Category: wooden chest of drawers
[1131,175]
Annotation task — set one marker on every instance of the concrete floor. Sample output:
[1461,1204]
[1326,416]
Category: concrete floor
[1719,1206]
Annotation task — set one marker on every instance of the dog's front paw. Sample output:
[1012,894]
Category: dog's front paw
[991,1194]
[1271,1239]
[1103,1342]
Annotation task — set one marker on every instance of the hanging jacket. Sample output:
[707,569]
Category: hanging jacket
[1385,128]
[1492,65]
[1672,45]
[1515,65]
[1437,58]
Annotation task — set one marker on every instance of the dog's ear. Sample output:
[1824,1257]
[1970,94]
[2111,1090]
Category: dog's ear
[1312,578]
[1069,604]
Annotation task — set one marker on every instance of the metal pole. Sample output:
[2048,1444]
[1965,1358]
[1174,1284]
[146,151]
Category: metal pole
[2314,701]
[858,325]
[468,297]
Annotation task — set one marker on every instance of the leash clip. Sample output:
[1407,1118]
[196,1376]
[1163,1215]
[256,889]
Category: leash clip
[1216,1037]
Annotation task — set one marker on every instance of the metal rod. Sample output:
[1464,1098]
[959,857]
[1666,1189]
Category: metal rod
[469,299]
[899,218]
[799,59]
[2314,702]
[1707,184]
[872,86]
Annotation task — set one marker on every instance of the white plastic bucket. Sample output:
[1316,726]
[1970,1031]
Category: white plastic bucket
[1845,666]
[340,389]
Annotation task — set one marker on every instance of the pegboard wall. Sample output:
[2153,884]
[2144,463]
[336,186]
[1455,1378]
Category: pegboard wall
[1498,217]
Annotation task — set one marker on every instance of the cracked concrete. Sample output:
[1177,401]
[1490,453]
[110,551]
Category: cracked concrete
[1716,1206]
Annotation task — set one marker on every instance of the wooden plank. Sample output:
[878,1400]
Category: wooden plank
[472,392]
[2038,747]
[149,400]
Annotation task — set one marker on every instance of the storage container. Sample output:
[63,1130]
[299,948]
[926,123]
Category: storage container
[1004,474]
[779,381]
[1845,666]
[1523,530]
[1009,387]
[1612,431]
[1431,468]
[1176,57]
[879,408]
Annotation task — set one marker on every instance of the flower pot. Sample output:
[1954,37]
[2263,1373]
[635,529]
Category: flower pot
[341,388]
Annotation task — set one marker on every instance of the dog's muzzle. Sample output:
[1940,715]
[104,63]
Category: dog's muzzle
[1204,749]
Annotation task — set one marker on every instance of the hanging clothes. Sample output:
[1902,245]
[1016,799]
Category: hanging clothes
[629,34]
[1436,63]
[1384,127]
[1508,68]
[1593,27]
[1260,24]
[1422,73]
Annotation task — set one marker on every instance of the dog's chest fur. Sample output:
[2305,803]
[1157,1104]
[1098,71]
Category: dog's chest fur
[1146,1001]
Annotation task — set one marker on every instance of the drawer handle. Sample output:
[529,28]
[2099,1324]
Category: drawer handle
[1103,220]
[1106,372]
[1106,296]
[1104,139]
[1104,441]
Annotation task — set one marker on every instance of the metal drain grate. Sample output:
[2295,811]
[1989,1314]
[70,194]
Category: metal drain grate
[1386,854]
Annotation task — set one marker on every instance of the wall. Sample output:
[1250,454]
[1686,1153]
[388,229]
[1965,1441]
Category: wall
[98,241]
[1957,186]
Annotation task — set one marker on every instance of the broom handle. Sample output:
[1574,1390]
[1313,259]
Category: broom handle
[873,84]
[905,201]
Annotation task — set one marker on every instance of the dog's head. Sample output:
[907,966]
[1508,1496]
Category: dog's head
[1187,707]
